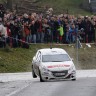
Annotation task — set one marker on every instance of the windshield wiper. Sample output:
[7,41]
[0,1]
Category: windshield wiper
[56,61]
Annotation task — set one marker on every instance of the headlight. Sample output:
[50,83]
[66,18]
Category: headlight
[72,68]
[44,69]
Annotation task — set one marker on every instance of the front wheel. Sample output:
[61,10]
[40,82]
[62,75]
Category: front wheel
[41,80]
[33,73]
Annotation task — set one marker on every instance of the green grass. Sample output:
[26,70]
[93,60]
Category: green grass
[19,59]
[59,6]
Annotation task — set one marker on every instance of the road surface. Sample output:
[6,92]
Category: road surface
[84,86]
[81,87]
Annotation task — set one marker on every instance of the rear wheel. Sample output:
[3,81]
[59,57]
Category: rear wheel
[33,73]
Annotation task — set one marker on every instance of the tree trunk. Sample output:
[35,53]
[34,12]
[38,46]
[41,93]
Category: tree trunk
[9,4]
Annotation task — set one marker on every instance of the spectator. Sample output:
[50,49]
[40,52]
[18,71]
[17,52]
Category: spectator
[40,34]
[72,33]
[45,28]
[87,28]
[33,29]
[47,31]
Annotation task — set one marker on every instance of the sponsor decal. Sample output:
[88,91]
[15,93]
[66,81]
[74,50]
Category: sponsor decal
[58,66]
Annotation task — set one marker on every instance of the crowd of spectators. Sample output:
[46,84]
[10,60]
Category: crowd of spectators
[46,28]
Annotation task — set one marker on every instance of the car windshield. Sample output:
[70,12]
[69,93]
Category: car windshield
[55,58]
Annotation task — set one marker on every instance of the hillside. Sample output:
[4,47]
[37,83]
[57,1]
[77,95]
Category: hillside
[19,60]
[73,6]
[59,6]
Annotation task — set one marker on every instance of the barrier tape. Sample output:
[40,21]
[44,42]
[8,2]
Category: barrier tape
[14,39]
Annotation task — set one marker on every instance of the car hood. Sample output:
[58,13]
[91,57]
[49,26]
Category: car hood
[57,66]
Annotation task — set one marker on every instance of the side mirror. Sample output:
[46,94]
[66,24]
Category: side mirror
[72,59]
[34,58]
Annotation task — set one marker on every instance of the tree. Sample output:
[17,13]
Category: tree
[9,4]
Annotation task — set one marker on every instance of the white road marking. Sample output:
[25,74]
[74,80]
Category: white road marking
[18,90]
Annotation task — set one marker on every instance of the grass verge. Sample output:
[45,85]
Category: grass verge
[19,60]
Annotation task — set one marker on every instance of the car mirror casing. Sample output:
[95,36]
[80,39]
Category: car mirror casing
[72,59]
[34,58]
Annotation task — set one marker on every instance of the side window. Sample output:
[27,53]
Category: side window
[38,56]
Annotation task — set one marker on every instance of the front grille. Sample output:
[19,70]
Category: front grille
[60,73]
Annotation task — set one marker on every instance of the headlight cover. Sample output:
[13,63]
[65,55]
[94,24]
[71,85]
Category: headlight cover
[72,68]
[44,69]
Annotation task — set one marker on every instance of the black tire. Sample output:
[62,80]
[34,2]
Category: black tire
[73,79]
[33,73]
[41,80]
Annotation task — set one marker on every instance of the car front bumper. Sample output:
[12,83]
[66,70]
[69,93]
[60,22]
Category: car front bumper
[58,75]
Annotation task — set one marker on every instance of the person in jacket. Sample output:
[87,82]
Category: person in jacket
[72,33]
[33,30]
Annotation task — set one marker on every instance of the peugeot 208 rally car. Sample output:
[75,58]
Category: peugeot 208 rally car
[53,63]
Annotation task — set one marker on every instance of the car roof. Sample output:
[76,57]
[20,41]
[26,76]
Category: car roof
[47,51]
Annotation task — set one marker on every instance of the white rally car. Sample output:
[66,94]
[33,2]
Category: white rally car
[53,63]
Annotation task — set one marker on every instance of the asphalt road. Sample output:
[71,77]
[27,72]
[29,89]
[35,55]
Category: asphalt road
[81,87]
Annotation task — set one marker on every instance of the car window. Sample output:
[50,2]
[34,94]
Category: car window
[55,58]
[38,56]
